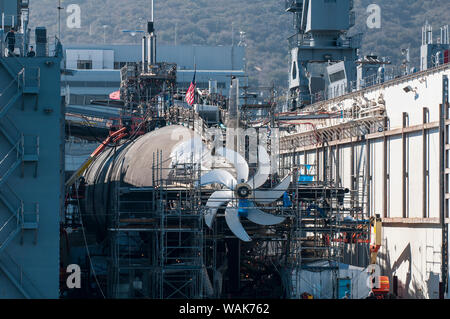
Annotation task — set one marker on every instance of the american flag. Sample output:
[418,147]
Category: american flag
[190,94]
[115,95]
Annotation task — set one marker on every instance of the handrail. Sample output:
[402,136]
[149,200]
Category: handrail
[18,133]
[15,79]
[22,146]
[37,145]
[15,147]
[6,223]
[7,87]
[34,147]
[14,194]
[6,104]
[23,275]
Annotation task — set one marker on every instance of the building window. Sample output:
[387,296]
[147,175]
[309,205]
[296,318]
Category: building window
[294,71]
[84,64]
[338,76]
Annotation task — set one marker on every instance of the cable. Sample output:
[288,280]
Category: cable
[86,245]
[85,240]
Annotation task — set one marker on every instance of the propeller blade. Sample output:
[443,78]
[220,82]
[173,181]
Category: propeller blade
[267,197]
[238,162]
[259,217]
[219,176]
[263,170]
[191,151]
[232,219]
[216,200]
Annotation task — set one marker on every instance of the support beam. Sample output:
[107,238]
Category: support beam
[373,136]
[324,164]
[425,174]
[337,164]
[368,177]
[404,167]
[385,171]
[352,173]
[317,165]
[442,194]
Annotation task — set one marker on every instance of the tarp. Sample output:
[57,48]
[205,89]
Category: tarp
[322,282]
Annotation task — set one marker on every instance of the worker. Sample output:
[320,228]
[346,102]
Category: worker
[11,41]
[31,53]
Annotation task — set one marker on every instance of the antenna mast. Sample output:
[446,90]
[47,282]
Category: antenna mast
[151,40]
[152,17]
[59,19]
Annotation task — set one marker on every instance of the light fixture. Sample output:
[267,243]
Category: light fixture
[408,89]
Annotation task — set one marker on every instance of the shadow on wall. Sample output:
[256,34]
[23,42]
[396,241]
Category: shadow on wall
[409,288]
[433,285]
[390,270]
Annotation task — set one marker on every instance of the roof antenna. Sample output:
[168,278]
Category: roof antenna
[59,19]
[152,17]
[151,40]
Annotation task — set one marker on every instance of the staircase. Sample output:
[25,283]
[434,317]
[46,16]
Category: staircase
[11,227]
[14,220]
[10,160]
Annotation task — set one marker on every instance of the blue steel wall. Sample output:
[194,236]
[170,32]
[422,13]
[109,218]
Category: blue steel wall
[33,268]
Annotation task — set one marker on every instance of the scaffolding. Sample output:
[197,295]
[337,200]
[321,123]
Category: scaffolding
[326,225]
[160,247]
[157,238]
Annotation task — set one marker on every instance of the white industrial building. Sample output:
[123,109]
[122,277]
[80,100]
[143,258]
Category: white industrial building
[390,144]
[96,68]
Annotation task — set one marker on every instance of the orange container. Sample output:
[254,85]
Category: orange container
[384,285]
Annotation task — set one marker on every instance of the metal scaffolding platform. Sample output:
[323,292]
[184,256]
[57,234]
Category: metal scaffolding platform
[157,239]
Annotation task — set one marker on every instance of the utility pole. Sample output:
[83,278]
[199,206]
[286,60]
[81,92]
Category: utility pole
[232,34]
[104,33]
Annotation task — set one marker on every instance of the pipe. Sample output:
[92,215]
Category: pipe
[144,54]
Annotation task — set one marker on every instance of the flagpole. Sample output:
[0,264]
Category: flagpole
[195,78]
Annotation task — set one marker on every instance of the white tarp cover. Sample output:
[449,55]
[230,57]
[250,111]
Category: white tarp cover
[322,284]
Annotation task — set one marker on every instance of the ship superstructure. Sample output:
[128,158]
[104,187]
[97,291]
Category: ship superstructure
[31,159]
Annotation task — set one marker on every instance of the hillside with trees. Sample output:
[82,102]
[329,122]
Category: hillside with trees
[214,22]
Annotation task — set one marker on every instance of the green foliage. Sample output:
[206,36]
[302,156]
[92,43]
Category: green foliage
[265,21]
